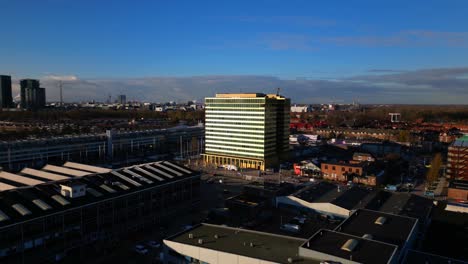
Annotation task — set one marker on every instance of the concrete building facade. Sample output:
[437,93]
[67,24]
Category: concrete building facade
[32,95]
[6,100]
[457,160]
[246,130]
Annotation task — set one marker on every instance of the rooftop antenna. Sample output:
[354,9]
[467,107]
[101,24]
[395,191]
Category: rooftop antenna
[61,92]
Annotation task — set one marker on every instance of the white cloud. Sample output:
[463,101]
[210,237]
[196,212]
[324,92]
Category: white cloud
[60,78]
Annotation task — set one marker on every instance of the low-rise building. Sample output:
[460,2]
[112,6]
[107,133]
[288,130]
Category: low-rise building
[48,214]
[388,228]
[219,244]
[340,201]
[458,191]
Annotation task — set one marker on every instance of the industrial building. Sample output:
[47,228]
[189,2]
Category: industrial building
[6,100]
[181,141]
[340,201]
[51,213]
[457,159]
[32,95]
[401,231]
[246,130]
[366,236]
[220,244]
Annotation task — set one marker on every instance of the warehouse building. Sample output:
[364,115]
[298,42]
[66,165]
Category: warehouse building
[214,244]
[181,141]
[340,201]
[50,213]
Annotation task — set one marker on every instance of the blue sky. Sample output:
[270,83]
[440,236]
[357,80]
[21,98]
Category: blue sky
[316,40]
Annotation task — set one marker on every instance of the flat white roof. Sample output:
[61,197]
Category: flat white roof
[19,178]
[66,171]
[85,167]
[44,175]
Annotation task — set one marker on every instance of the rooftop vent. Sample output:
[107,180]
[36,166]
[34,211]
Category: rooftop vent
[216,236]
[349,245]
[290,260]
[190,236]
[21,209]
[380,221]
[367,236]
[252,244]
[200,241]
[3,216]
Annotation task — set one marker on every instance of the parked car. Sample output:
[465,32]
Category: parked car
[140,249]
[153,244]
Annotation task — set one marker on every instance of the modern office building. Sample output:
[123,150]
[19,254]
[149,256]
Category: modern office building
[122,99]
[32,95]
[248,130]
[457,160]
[6,100]
[55,212]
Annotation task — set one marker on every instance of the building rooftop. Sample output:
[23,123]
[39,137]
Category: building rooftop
[350,247]
[42,197]
[461,142]
[240,95]
[459,184]
[384,227]
[401,204]
[418,257]
[343,196]
[243,242]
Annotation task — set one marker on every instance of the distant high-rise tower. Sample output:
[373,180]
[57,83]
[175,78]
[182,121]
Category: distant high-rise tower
[6,100]
[247,130]
[32,95]
[122,99]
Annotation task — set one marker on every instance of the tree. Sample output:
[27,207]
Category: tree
[433,172]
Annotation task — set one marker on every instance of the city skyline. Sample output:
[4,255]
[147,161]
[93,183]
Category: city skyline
[396,52]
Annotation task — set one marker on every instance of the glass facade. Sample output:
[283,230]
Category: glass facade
[245,129]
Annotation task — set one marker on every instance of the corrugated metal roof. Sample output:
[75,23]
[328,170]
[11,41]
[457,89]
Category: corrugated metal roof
[44,175]
[159,171]
[177,167]
[19,178]
[148,173]
[138,176]
[4,186]
[85,167]
[168,169]
[66,171]
[126,178]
